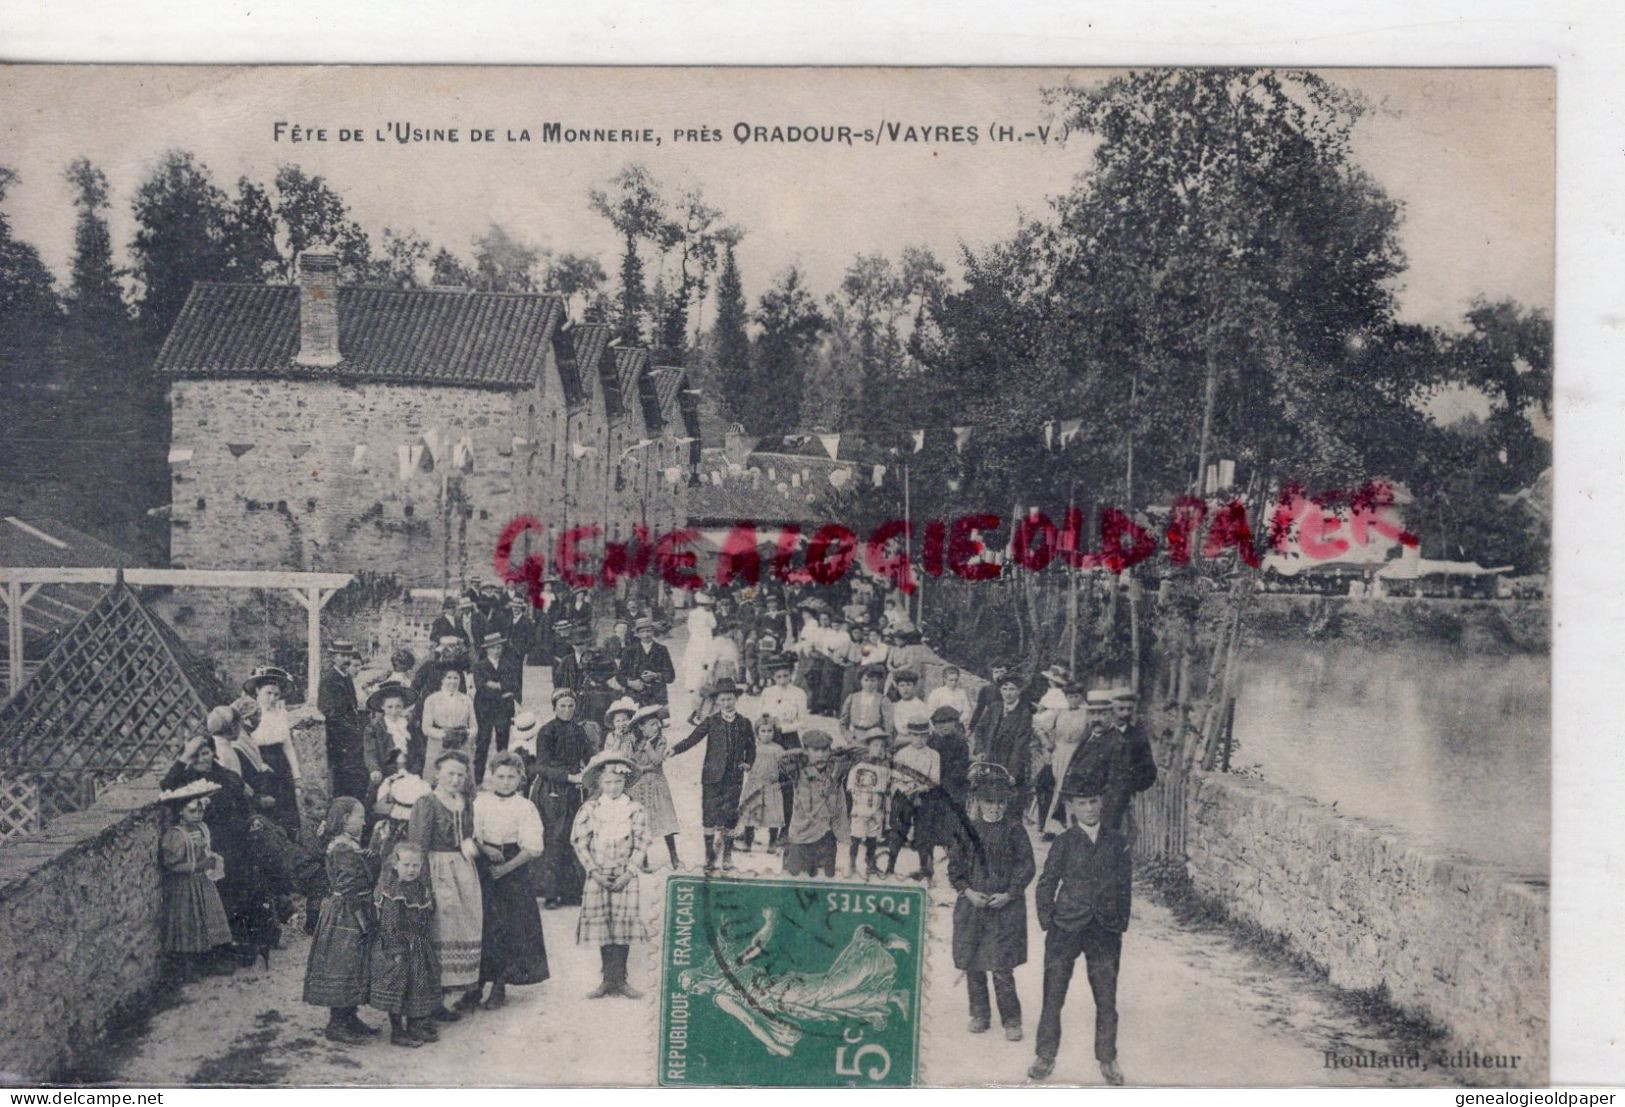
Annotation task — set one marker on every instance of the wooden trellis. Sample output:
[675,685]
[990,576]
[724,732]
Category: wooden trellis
[115,698]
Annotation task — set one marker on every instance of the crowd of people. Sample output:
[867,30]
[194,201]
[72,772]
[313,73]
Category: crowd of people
[460,816]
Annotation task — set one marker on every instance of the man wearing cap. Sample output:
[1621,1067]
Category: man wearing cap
[730,748]
[1142,763]
[646,666]
[496,695]
[1083,908]
[818,814]
[945,804]
[1004,735]
[336,700]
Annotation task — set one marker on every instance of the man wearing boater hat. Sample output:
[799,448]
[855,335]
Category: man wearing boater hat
[496,695]
[336,700]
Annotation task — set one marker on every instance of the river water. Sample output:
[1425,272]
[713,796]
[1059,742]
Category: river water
[1451,748]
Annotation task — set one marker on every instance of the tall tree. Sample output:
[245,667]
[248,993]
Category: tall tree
[94,298]
[791,325]
[731,351]
[447,270]
[182,224]
[399,262]
[631,302]
[314,214]
[29,308]
[579,278]
[503,262]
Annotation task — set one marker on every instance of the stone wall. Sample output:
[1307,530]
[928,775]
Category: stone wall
[78,931]
[286,474]
[1463,943]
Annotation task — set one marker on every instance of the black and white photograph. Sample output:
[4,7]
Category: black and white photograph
[814,577]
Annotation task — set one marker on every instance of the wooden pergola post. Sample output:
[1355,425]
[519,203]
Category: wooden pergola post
[312,590]
[313,600]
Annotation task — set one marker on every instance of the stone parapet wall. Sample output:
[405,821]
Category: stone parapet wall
[1462,943]
[78,931]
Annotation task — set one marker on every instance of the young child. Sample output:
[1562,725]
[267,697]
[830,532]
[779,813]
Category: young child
[990,865]
[818,819]
[508,832]
[610,836]
[405,972]
[868,783]
[761,801]
[649,786]
[336,973]
[866,708]
[916,770]
[950,693]
[192,920]
[782,701]
[1083,908]
[392,808]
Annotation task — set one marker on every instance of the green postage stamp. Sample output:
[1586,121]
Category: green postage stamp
[790,984]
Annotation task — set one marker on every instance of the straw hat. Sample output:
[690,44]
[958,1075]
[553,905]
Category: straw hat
[186,793]
[375,702]
[522,733]
[625,703]
[650,711]
[268,674]
[589,775]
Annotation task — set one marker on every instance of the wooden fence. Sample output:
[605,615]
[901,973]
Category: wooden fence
[1159,819]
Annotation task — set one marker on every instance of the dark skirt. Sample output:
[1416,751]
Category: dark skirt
[191,919]
[560,876]
[286,811]
[337,972]
[407,982]
[512,950]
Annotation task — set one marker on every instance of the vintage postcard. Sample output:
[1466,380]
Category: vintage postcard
[775,577]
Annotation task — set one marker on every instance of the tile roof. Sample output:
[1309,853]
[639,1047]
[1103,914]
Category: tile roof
[427,336]
[45,542]
[578,349]
[636,378]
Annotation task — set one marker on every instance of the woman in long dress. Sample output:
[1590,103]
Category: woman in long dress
[273,739]
[650,787]
[562,751]
[442,825]
[508,832]
[448,721]
[697,655]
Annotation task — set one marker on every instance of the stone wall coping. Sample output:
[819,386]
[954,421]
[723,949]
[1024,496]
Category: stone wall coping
[23,858]
[1526,885]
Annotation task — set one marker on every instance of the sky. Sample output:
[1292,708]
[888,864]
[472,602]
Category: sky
[1469,154]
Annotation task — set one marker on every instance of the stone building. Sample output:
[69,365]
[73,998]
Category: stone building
[324,427]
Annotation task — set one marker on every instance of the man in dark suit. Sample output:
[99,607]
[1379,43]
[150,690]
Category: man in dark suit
[522,631]
[646,665]
[336,700]
[1083,908]
[445,623]
[730,749]
[1004,736]
[470,624]
[987,696]
[1140,762]
[495,697]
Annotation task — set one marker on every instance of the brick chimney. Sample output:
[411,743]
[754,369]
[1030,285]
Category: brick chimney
[318,308]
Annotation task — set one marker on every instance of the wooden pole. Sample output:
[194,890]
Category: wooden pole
[313,642]
[908,527]
[14,635]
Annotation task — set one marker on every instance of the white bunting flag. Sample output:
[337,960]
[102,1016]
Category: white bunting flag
[879,475]
[831,444]
[1049,434]
[953,484]
[580,450]
[961,437]
[1069,430]
[403,458]
[919,440]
